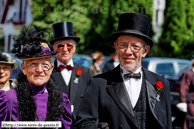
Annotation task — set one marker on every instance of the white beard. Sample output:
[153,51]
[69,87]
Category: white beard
[130,67]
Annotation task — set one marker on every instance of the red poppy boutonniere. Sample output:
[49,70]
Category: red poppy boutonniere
[79,72]
[159,85]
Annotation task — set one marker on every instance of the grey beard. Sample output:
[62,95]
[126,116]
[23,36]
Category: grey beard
[131,68]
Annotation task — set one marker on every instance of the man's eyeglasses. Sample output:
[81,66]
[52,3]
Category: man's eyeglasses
[5,68]
[44,67]
[61,46]
[134,48]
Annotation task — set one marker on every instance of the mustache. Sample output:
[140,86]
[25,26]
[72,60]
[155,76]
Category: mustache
[131,57]
[38,75]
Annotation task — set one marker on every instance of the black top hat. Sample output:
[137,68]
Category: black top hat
[134,24]
[63,30]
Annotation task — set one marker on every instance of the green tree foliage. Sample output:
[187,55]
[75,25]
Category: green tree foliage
[177,38]
[93,21]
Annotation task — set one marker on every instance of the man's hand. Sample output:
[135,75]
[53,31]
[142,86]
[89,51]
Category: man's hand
[103,125]
[182,107]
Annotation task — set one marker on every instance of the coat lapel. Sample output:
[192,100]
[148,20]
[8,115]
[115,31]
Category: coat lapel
[119,94]
[74,83]
[119,102]
[60,81]
[123,96]
[57,76]
[151,93]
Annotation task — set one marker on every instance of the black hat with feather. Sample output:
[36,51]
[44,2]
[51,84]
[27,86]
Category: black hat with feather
[31,45]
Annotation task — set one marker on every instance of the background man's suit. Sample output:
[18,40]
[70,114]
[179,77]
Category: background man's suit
[74,90]
[108,66]
[110,103]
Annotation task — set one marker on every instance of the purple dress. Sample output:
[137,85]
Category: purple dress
[41,98]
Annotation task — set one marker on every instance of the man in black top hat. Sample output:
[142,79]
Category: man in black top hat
[129,96]
[114,62]
[71,77]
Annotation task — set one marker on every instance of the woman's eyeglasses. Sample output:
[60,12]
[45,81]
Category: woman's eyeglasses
[44,67]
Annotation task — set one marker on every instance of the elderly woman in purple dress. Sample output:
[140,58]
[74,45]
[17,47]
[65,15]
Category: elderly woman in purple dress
[36,97]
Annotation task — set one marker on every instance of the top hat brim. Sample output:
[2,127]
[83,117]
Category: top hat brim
[51,54]
[77,39]
[147,39]
[15,64]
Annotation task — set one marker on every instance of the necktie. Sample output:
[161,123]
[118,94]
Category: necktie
[133,75]
[68,67]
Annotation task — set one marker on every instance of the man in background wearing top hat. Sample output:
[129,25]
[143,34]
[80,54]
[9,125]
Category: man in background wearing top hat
[129,96]
[114,62]
[71,77]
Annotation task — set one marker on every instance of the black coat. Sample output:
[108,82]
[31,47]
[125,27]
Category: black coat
[76,89]
[108,66]
[106,100]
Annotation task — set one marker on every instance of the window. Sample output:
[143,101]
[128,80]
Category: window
[144,64]
[165,69]
[183,66]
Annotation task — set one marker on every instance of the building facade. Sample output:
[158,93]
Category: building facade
[13,14]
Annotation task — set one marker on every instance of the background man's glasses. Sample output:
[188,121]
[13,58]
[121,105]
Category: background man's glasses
[44,67]
[61,46]
[134,48]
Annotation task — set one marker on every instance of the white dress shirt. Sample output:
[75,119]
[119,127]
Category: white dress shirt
[133,86]
[97,66]
[116,63]
[65,73]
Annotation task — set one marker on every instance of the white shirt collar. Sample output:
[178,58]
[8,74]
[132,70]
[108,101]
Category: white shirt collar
[69,63]
[117,60]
